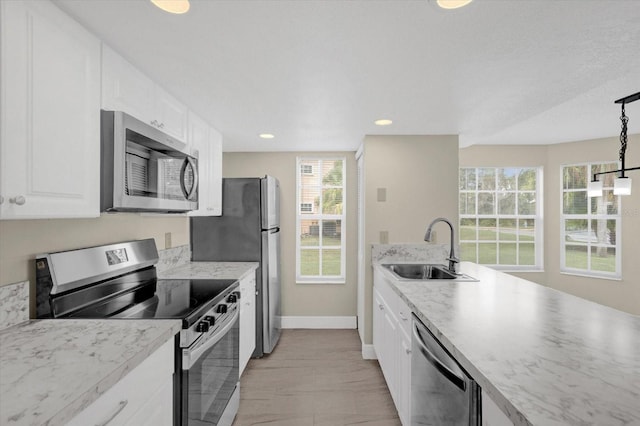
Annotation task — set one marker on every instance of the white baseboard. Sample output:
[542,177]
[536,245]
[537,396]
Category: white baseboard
[368,352]
[319,322]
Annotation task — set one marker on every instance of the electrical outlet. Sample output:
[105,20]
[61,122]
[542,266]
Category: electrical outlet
[382,194]
[384,237]
[167,240]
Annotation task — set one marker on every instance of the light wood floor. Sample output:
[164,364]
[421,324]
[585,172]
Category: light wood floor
[315,377]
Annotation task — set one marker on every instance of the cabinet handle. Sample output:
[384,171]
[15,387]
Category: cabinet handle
[121,406]
[19,200]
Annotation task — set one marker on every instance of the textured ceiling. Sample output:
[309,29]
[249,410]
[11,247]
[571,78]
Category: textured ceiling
[317,73]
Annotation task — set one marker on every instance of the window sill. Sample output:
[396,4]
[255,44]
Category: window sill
[316,282]
[585,275]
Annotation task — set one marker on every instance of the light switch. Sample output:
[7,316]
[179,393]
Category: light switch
[382,194]
[167,240]
[384,237]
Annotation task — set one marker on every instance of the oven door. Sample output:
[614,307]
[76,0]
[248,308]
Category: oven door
[210,376]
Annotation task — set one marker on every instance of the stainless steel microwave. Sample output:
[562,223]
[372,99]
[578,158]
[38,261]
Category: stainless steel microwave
[143,169]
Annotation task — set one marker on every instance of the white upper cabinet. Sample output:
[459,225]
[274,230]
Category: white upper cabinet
[125,88]
[206,144]
[49,114]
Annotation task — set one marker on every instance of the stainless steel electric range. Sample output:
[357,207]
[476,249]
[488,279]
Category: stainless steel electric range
[119,281]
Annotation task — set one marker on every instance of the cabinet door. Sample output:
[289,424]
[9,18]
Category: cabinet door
[404,378]
[206,144]
[50,114]
[125,88]
[378,326]
[171,115]
[215,173]
[247,319]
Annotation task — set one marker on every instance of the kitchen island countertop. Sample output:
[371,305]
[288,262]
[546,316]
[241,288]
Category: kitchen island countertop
[545,357]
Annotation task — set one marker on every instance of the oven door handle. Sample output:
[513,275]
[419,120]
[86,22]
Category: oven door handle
[191,355]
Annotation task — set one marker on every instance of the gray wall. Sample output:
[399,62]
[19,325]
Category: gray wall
[420,176]
[303,299]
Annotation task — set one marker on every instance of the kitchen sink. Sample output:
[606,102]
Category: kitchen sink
[424,271]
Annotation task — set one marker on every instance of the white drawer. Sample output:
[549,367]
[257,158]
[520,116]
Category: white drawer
[125,399]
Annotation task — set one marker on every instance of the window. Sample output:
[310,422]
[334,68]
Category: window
[320,221]
[590,227]
[500,217]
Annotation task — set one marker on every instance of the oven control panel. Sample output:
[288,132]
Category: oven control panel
[217,317]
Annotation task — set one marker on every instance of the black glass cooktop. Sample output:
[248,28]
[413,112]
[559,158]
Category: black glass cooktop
[141,296]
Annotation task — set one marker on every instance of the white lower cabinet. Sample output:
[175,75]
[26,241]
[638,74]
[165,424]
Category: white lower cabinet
[491,414]
[392,343]
[247,319]
[143,397]
[49,114]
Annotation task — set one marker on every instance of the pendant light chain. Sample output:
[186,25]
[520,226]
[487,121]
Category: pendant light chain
[623,138]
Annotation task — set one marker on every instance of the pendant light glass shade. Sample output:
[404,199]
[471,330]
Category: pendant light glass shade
[594,189]
[452,4]
[622,186]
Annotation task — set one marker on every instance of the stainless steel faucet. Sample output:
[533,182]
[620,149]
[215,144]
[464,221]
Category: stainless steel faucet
[453,260]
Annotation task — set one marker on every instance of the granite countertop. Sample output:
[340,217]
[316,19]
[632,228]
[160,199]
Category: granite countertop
[210,270]
[52,369]
[545,357]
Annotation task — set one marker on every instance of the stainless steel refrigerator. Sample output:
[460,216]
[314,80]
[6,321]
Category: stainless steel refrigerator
[247,231]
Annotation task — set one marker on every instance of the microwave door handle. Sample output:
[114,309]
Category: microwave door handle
[188,161]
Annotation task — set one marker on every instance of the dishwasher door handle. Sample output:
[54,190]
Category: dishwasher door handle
[439,365]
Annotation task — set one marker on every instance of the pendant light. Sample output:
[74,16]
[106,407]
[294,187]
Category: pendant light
[621,184]
[173,6]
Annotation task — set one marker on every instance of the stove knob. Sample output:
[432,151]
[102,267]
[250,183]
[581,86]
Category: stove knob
[232,298]
[221,309]
[210,319]
[202,327]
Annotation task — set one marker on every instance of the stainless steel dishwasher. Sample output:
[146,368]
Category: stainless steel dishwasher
[442,393]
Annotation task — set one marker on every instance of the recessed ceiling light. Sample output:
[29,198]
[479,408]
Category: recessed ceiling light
[173,6]
[383,122]
[266,136]
[452,4]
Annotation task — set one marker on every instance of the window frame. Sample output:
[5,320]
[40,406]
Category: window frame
[589,217]
[538,217]
[320,217]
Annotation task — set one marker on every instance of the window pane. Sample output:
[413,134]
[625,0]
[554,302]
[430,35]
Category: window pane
[603,259]
[526,229]
[487,253]
[310,199]
[467,179]
[508,231]
[526,254]
[507,179]
[574,177]
[607,180]
[576,231]
[527,203]
[603,231]
[468,252]
[310,262]
[486,203]
[332,201]
[607,204]
[508,254]
[487,229]
[332,173]
[576,256]
[487,179]
[527,180]
[575,202]
[309,233]
[507,203]
[331,232]
[331,262]
[468,229]
[467,203]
